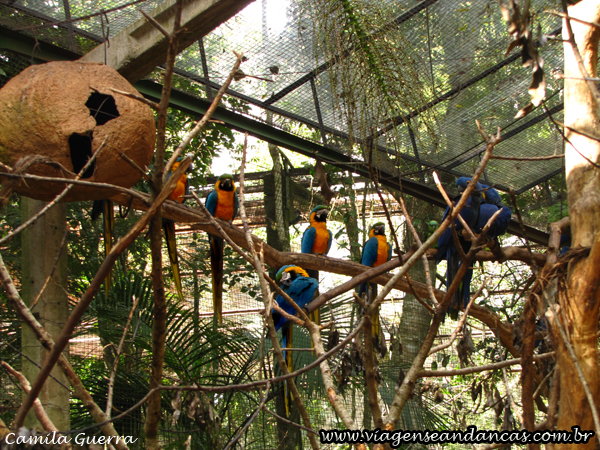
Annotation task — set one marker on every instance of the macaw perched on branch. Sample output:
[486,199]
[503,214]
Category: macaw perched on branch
[317,240]
[481,205]
[178,195]
[375,252]
[301,288]
[222,203]
[105,207]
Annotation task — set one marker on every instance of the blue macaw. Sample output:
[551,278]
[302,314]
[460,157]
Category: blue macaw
[317,239]
[476,214]
[222,203]
[105,207]
[376,251]
[565,242]
[178,195]
[301,288]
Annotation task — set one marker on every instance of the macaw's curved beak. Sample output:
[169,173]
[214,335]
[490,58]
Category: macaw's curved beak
[379,229]
[226,184]
[286,279]
[321,215]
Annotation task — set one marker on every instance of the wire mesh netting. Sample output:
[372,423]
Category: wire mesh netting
[456,58]
[446,67]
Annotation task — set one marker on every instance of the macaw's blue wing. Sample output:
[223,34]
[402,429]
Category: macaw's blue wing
[492,196]
[211,202]
[500,225]
[329,241]
[447,251]
[308,240]
[302,291]
[368,258]
[236,206]
[170,238]
[369,254]
[565,242]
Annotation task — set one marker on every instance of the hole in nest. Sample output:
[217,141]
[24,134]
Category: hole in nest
[80,146]
[102,108]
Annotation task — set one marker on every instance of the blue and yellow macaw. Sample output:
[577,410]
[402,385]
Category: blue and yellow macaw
[317,240]
[178,195]
[105,207]
[376,251]
[222,203]
[476,214]
[301,288]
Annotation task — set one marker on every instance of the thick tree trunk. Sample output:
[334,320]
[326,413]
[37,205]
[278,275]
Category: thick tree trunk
[579,306]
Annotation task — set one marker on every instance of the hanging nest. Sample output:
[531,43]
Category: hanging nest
[55,116]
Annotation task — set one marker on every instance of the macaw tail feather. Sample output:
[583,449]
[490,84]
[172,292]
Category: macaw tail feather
[376,325]
[105,207]
[287,342]
[315,316]
[216,265]
[169,227]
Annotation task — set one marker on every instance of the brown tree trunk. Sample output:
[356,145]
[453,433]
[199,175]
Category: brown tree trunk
[579,306]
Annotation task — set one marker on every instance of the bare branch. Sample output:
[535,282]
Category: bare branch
[40,412]
[57,199]
[461,322]
[139,98]
[482,368]
[113,372]
[251,419]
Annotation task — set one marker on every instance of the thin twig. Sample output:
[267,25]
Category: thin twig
[133,164]
[461,322]
[289,422]
[575,19]
[139,98]
[157,25]
[57,199]
[40,412]
[60,249]
[418,240]
[202,122]
[452,206]
[46,340]
[113,372]
[251,419]
[532,158]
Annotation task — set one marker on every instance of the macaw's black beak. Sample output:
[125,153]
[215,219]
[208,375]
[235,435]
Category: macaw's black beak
[226,184]
[379,229]
[321,215]
[286,279]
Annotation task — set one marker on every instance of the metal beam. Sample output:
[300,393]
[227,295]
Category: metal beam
[136,50]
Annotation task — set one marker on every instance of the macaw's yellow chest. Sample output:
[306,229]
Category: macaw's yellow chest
[321,238]
[225,205]
[383,249]
[179,191]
